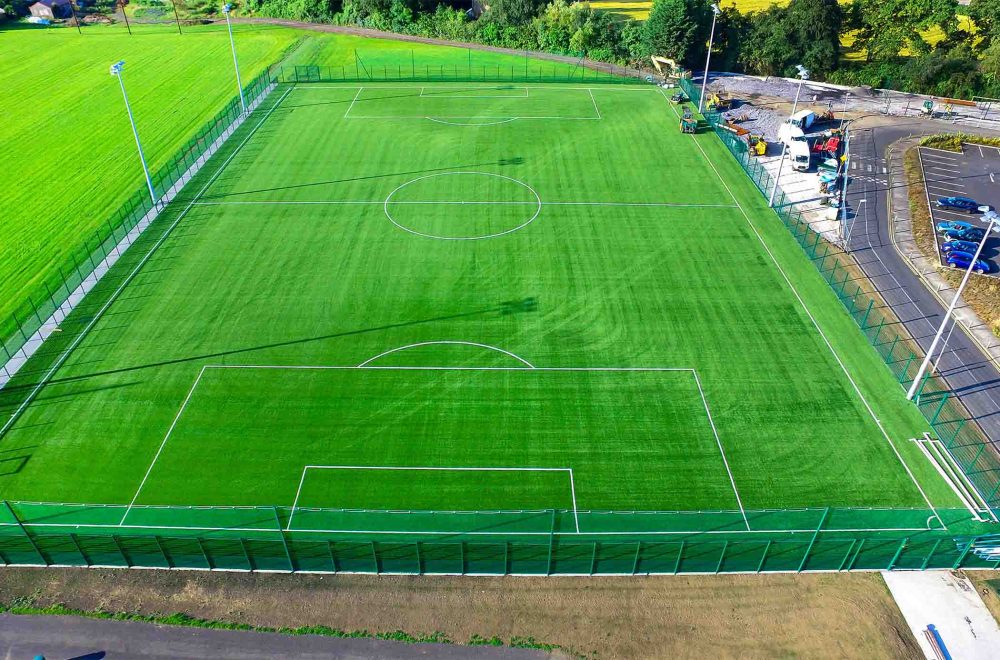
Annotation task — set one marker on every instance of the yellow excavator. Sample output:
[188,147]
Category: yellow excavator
[669,68]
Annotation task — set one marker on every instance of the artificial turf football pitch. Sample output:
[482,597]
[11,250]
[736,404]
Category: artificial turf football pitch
[466,297]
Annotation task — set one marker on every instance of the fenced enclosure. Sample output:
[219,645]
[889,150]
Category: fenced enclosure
[814,540]
[463,65]
[964,440]
[539,541]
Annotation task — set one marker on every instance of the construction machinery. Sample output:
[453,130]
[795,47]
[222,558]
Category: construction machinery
[679,97]
[669,68]
[688,123]
[718,104]
[756,145]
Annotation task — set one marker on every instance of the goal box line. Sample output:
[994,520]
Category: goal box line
[428,468]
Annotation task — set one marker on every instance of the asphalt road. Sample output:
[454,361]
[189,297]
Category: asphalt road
[965,368]
[79,638]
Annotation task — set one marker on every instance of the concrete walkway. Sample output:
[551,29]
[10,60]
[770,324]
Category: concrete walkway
[23,636]
[948,604]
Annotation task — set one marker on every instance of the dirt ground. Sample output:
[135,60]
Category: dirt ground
[810,615]
[988,585]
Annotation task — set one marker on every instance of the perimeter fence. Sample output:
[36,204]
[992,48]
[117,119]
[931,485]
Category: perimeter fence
[41,313]
[964,439]
[543,542]
[459,65]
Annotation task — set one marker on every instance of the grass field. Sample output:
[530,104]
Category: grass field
[68,146]
[463,297]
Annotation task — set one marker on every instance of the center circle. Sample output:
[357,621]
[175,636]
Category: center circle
[462,206]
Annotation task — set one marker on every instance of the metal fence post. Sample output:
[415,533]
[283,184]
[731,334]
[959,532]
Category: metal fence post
[163,551]
[677,562]
[83,555]
[284,541]
[965,551]
[722,557]
[246,554]
[635,561]
[864,319]
[927,559]
[25,532]
[812,541]
[899,551]
[378,569]
[593,559]
[847,554]
[763,557]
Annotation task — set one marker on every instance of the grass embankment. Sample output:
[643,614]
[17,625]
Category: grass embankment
[982,294]
[68,153]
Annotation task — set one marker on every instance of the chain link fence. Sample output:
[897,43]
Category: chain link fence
[964,440]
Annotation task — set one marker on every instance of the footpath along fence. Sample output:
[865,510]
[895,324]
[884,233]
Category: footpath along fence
[538,543]
[28,326]
[963,439]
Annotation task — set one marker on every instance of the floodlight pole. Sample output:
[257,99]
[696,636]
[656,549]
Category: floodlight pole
[803,76]
[236,65]
[992,217]
[708,58]
[116,71]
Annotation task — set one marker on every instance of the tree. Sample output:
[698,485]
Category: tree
[513,12]
[986,16]
[677,29]
[886,27]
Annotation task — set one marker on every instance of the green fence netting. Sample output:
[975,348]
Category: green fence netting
[523,542]
[457,65]
[962,437]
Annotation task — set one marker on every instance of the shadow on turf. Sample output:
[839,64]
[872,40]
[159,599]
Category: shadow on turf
[503,162]
[26,387]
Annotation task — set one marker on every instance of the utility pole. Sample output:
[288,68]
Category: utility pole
[803,76]
[116,71]
[239,85]
[992,217]
[708,58]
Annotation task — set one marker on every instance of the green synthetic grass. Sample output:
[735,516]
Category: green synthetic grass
[68,154]
[596,236]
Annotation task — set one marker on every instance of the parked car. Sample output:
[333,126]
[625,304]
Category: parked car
[960,246]
[962,203]
[956,225]
[974,234]
[963,259]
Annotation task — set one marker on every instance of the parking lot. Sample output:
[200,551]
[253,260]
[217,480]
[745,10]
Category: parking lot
[975,174]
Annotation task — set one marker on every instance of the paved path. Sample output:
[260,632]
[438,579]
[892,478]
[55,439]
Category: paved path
[947,602]
[963,365]
[80,638]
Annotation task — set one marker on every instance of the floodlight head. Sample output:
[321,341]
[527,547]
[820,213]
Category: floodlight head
[803,72]
[991,216]
[715,9]
[116,68]
[226,7]
[985,209]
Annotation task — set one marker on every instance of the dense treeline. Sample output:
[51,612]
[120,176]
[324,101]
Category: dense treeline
[891,46]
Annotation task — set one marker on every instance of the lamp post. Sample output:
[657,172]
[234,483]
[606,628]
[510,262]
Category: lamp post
[239,85]
[803,76]
[992,217]
[708,58]
[116,71]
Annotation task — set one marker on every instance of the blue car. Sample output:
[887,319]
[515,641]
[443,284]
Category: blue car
[973,234]
[953,225]
[960,246]
[963,203]
[963,259]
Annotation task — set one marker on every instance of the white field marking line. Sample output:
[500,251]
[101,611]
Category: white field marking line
[822,334]
[477,533]
[505,117]
[459,203]
[722,451]
[484,123]
[609,88]
[388,200]
[447,342]
[472,96]
[323,367]
[114,296]
[596,109]
[425,468]
[350,107]
[163,444]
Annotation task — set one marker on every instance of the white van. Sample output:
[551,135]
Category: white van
[798,152]
[803,119]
